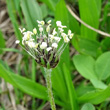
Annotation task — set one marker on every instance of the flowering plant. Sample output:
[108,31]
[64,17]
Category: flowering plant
[43,46]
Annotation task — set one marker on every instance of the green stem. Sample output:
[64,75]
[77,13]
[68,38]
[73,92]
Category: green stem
[49,87]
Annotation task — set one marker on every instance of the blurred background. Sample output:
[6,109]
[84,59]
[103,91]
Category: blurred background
[77,83]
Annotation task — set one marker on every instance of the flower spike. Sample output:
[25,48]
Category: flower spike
[43,44]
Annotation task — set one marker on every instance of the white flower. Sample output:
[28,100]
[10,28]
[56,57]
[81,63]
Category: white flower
[69,32]
[63,27]
[41,22]
[17,42]
[51,37]
[49,22]
[35,31]
[31,44]
[57,39]
[66,39]
[48,28]
[39,25]
[55,45]
[71,36]
[60,29]
[49,48]
[63,35]
[27,35]
[43,45]
[58,23]
[40,29]
[54,31]
[22,30]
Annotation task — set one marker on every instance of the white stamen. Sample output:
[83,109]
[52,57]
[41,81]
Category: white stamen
[71,36]
[22,30]
[31,44]
[35,31]
[40,29]
[48,28]
[49,48]
[61,30]
[66,39]
[69,32]
[17,42]
[54,31]
[57,39]
[43,45]
[41,22]
[49,21]
[55,45]
[58,23]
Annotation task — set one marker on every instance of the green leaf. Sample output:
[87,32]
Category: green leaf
[32,12]
[49,3]
[86,46]
[83,88]
[102,66]
[58,84]
[13,17]
[12,50]
[26,85]
[105,44]
[88,106]
[71,89]
[98,84]
[2,42]
[44,10]
[90,13]
[95,97]
[85,66]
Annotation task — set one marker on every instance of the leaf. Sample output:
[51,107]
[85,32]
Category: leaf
[98,84]
[58,84]
[86,46]
[32,12]
[90,13]
[26,85]
[13,17]
[82,88]
[44,10]
[13,50]
[105,44]
[95,97]
[102,66]
[88,106]
[2,42]
[49,3]
[71,89]
[85,66]
[23,84]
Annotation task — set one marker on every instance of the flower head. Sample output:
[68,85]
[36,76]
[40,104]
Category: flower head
[43,45]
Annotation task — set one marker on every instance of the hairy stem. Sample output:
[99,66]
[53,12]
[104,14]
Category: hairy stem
[49,87]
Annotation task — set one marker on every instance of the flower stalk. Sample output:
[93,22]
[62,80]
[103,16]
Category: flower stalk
[49,87]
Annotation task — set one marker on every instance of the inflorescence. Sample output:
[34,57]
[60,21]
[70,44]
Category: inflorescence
[43,45]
